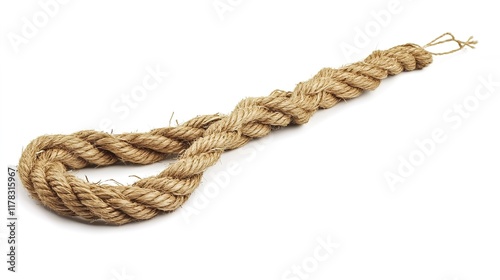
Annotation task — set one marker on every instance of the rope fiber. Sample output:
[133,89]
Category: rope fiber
[45,164]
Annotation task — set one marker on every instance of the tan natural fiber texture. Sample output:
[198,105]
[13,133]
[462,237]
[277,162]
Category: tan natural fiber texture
[199,143]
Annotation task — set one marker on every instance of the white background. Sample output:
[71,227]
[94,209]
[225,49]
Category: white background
[324,180]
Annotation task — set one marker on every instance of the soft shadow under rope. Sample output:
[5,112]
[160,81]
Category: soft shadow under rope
[199,142]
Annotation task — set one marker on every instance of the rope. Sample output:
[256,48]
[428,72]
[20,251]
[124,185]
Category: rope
[199,143]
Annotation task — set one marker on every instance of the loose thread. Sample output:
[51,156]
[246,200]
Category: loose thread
[461,44]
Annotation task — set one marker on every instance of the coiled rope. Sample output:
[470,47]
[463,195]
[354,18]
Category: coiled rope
[199,142]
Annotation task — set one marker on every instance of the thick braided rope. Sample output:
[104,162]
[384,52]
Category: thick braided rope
[45,162]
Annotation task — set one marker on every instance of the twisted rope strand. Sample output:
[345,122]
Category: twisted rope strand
[198,143]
